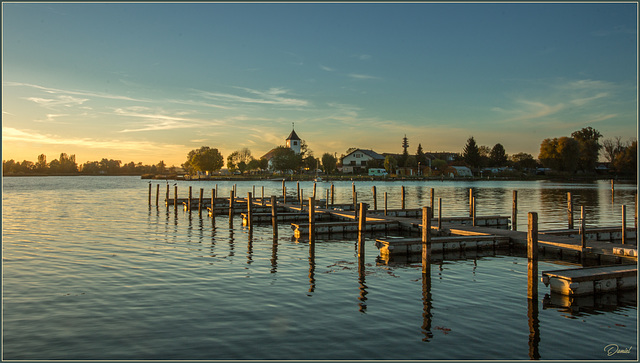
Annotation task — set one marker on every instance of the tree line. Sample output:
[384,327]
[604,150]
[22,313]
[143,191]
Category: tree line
[66,164]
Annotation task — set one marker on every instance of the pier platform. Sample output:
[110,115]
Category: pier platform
[591,280]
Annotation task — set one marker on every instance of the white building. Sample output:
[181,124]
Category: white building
[293,142]
[360,160]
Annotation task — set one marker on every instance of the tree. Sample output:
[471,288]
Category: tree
[471,153]
[612,147]
[203,160]
[236,158]
[310,163]
[569,151]
[498,156]
[285,159]
[589,148]
[627,160]
[161,167]
[253,164]
[390,164]
[41,164]
[329,163]
[439,164]
[420,156]
[523,161]
[549,156]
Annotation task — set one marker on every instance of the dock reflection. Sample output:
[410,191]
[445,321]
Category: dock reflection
[426,304]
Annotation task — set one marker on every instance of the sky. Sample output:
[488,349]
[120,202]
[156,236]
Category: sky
[146,82]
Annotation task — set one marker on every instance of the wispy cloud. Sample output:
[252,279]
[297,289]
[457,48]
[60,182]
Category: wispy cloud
[273,96]
[75,92]
[13,134]
[51,118]
[361,76]
[155,120]
[63,100]
[363,57]
[325,68]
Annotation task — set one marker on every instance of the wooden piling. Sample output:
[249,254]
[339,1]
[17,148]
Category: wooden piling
[439,213]
[426,238]
[532,256]
[216,191]
[473,212]
[612,188]
[583,223]
[362,221]
[301,200]
[326,203]
[284,193]
[375,198]
[249,210]
[314,190]
[355,204]
[402,196]
[157,193]
[149,193]
[312,211]
[432,200]
[514,212]
[624,224]
[262,198]
[470,202]
[385,203]
[298,193]
[200,202]
[569,211]
[635,213]
[231,200]
[274,215]
[213,203]
[166,198]
[175,197]
[353,195]
[189,200]
[332,194]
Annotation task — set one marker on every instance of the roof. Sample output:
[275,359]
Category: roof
[374,155]
[293,136]
[269,155]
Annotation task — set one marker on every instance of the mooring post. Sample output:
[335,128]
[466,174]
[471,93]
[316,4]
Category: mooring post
[402,196]
[231,198]
[583,231]
[249,210]
[362,225]
[314,190]
[470,202]
[426,238]
[473,212]
[175,197]
[332,194]
[432,201]
[262,198]
[212,214]
[439,213]
[301,200]
[532,256]
[514,212]
[274,215]
[216,190]
[385,203]
[355,204]
[254,190]
[635,214]
[312,210]
[157,193]
[166,197]
[189,201]
[353,195]
[298,193]
[326,200]
[569,211]
[149,193]
[624,224]
[612,188]
[284,193]
[200,202]
[375,198]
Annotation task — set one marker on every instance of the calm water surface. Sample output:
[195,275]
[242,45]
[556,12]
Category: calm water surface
[90,271]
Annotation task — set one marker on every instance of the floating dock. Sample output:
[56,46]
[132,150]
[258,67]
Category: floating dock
[591,280]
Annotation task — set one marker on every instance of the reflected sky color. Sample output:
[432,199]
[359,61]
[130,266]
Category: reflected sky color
[152,81]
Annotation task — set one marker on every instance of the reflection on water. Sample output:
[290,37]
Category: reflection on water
[143,282]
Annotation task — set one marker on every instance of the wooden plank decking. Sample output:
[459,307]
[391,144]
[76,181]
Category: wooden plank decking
[591,280]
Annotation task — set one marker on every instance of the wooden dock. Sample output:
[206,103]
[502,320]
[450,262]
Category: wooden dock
[591,280]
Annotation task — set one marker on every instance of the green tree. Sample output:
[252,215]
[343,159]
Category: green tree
[498,156]
[161,167]
[285,159]
[549,156]
[471,153]
[203,160]
[523,161]
[329,163]
[589,148]
[41,164]
[627,161]
[439,164]
[390,164]
[420,156]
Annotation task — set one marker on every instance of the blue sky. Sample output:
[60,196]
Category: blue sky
[152,81]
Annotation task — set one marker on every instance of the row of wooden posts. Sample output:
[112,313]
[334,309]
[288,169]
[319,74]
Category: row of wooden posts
[472,204]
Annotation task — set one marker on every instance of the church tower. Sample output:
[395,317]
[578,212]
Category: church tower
[293,142]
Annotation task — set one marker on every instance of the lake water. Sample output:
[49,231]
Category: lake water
[91,271]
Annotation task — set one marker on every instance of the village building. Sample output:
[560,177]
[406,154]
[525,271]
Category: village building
[360,160]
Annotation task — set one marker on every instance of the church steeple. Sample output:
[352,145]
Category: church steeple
[293,141]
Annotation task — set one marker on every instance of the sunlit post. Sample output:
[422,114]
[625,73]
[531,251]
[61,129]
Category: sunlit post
[432,201]
[514,211]
[569,210]
[426,239]
[375,198]
[157,193]
[274,215]
[532,256]
[624,224]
